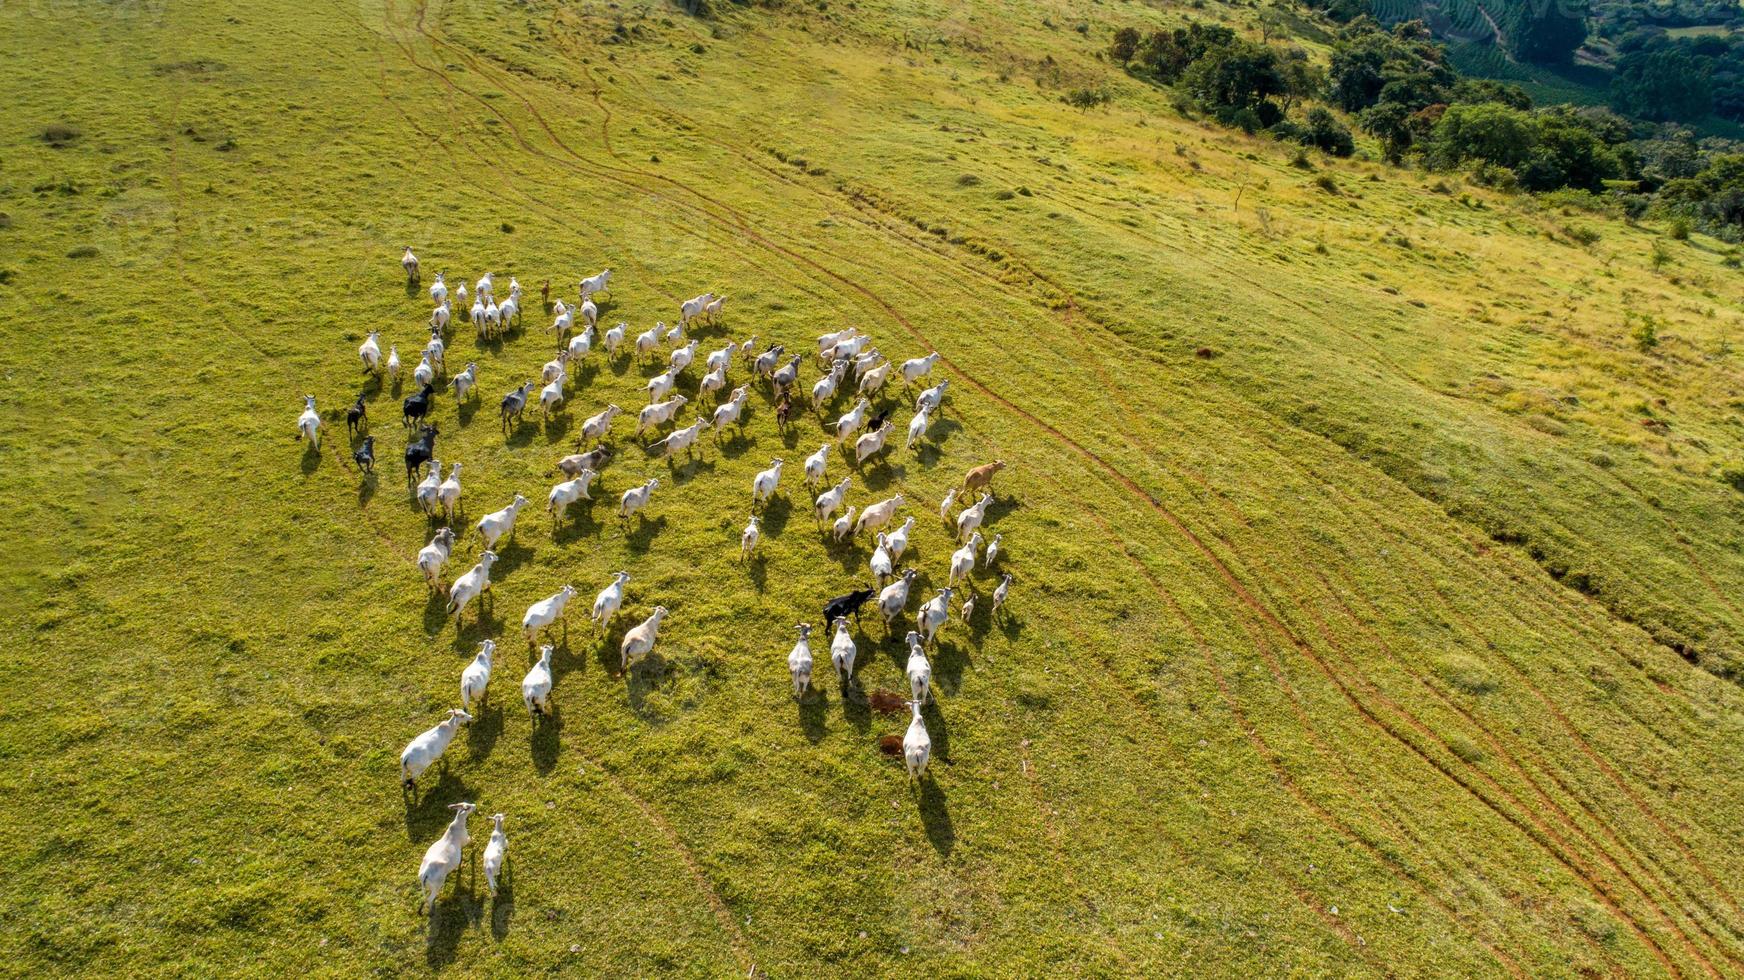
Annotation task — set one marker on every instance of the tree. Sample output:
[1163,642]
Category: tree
[1327,133]
[1660,84]
[1125,46]
[1237,75]
[1390,123]
[1486,131]
[1357,72]
[1548,31]
[1490,90]
[1167,54]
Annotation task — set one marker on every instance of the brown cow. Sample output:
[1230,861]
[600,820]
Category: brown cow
[981,477]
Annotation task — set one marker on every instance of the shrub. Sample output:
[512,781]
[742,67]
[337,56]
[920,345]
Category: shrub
[1086,98]
[1326,183]
[1646,332]
[60,134]
[1680,228]
[1495,175]
[1325,132]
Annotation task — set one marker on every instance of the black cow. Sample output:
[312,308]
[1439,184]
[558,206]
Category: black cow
[421,449]
[847,605]
[415,407]
[364,457]
[357,416]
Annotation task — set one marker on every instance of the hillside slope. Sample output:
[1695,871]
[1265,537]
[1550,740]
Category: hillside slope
[1376,597]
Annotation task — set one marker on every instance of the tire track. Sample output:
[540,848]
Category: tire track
[1575,630]
[1649,866]
[1586,748]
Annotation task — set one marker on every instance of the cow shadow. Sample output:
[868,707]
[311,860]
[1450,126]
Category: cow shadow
[485,623]
[450,919]
[640,538]
[435,613]
[879,476]
[693,467]
[427,813]
[486,728]
[738,445]
[935,816]
[812,709]
[521,432]
[949,661]
[856,710]
[547,738]
[578,522]
[997,508]
[503,903]
[641,679]
[776,513]
[366,488]
[511,555]
[847,552]
[556,428]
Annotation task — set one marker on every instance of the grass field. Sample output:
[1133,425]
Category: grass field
[1376,604]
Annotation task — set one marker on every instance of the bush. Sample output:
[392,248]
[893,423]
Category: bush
[1325,132]
[60,134]
[1680,228]
[1244,119]
[1326,183]
[1646,332]
[1086,98]
[1493,175]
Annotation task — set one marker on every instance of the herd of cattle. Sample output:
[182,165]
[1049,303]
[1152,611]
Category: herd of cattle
[848,362]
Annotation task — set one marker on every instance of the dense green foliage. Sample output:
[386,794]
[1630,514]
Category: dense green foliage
[1399,87]
[1661,83]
